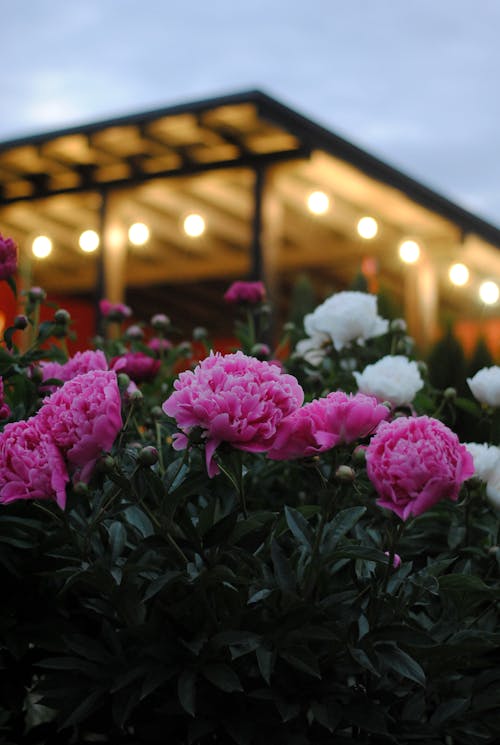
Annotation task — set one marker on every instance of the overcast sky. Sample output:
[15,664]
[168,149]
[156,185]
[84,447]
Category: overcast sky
[415,82]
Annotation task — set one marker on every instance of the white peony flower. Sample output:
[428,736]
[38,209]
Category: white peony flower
[313,350]
[393,378]
[486,458]
[485,386]
[493,487]
[346,317]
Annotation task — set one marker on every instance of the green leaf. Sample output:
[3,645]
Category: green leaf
[117,539]
[361,657]
[186,691]
[329,714]
[158,584]
[139,520]
[222,677]
[341,524]
[450,709]
[239,642]
[266,659]
[299,527]
[259,595]
[87,707]
[395,659]
[221,531]
[282,569]
[301,658]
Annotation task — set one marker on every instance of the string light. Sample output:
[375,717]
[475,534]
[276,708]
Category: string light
[489,292]
[138,234]
[41,247]
[458,274]
[89,241]
[318,202]
[409,251]
[194,225]
[367,227]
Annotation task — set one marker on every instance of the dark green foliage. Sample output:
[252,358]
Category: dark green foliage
[261,606]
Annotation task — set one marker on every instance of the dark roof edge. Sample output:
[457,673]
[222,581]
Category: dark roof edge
[249,96]
[312,134]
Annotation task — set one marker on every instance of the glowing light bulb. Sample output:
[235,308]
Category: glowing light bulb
[458,274]
[88,241]
[489,292]
[318,202]
[367,227]
[409,252]
[194,225]
[138,234]
[41,247]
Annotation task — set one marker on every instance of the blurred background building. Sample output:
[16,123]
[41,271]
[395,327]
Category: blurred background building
[163,209]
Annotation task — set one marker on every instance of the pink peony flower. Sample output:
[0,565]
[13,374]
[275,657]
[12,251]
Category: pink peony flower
[84,418]
[326,422]
[8,257]
[114,311]
[414,462]
[396,559]
[159,345]
[246,292]
[4,407]
[235,399]
[31,465]
[80,363]
[137,365]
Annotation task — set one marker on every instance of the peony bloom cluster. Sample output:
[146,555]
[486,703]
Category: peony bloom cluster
[249,293]
[325,422]
[84,418]
[80,363]
[414,462]
[487,468]
[4,407]
[114,311]
[393,378]
[8,257]
[31,464]
[138,366]
[485,386]
[344,318]
[74,426]
[233,398]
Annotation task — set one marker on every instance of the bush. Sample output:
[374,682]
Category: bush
[275,601]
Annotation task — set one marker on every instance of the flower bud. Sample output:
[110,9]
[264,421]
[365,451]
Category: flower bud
[289,327]
[106,464]
[396,559]
[345,474]
[398,326]
[20,322]
[359,455]
[160,321]
[157,412]
[36,294]
[135,396]
[200,333]
[450,393]
[260,350]
[81,489]
[62,317]
[123,381]
[148,456]
[185,348]
[134,332]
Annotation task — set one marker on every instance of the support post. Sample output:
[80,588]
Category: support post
[421,302]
